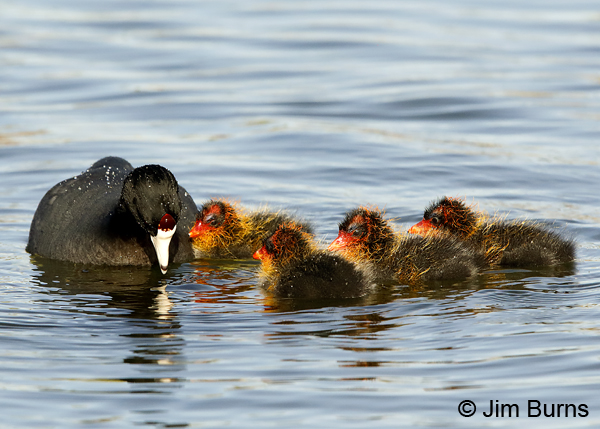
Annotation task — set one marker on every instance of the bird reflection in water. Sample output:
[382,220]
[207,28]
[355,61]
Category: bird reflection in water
[227,282]
[136,299]
[224,281]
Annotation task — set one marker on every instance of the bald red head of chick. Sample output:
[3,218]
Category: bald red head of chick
[217,224]
[363,234]
[449,215]
[289,241]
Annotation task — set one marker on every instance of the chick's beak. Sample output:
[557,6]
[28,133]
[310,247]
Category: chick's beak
[422,227]
[343,240]
[197,229]
[260,253]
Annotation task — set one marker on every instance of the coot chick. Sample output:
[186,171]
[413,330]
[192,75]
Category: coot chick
[293,267]
[514,243]
[113,214]
[224,231]
[365,236]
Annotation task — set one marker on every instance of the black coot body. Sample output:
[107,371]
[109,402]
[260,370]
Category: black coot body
[110,214]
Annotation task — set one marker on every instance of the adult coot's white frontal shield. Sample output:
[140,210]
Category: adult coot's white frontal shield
[162,239]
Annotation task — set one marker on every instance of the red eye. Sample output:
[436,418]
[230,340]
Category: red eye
[167,223]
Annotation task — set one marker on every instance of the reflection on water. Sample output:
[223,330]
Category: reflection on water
[136,295]
[142,295]
[141,292]
[225,286]
[226,281]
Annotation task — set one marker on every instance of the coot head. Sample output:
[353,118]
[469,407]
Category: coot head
[290,242]
[217,224]
[447,214]
[363,233]
[151,194]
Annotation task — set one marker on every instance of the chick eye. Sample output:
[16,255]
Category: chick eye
[435,220]
[356,230]
[211,220]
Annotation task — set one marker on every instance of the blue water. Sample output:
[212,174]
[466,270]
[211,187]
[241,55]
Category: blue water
[316,107]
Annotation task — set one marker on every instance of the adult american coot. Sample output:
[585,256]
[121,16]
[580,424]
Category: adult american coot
[223,230]
[515,243]
[114,214]
[365,237]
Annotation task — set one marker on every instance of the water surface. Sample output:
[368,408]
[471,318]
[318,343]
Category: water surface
[314,106]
